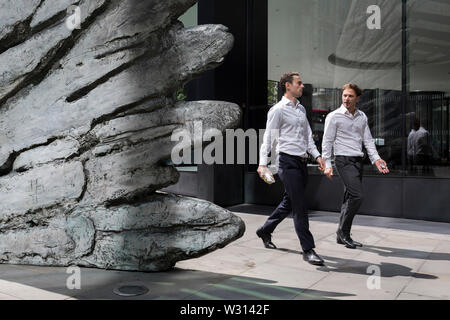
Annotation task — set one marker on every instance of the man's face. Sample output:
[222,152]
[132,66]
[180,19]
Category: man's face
[296,87]
[349,98]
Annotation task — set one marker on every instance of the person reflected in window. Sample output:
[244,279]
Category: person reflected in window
[346,129]
[422,148]
[411,146]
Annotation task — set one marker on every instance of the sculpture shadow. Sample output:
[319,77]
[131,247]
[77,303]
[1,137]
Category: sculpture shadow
[176,284]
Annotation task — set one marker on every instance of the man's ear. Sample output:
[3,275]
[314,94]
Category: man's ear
[358,98]
[287,85]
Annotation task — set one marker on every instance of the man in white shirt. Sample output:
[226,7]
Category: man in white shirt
[422,146]
[411,146]
[288,119]
[346,129]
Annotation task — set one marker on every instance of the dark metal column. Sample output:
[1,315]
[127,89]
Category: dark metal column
[405,98]
[242,79]
[405,80]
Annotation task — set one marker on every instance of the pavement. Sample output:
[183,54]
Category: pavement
[400,260]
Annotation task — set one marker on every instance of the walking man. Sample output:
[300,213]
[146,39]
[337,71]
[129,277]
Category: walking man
[288,119]
[346,129]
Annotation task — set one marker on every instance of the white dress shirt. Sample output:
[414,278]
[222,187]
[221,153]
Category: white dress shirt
[294,132]
[422,143]
[411,143]
[346,133]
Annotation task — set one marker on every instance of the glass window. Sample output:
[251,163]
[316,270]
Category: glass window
[189,19]
[331,43]
[429,84]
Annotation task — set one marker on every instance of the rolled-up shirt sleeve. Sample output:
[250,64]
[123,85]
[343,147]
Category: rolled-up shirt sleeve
[370,144]
[329,136]
[273,123]
[312,148]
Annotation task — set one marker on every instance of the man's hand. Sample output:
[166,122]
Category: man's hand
[382,166]
[261,170]
[321,163]
[328,172]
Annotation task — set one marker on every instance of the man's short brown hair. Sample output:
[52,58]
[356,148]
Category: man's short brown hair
[354,87]
[287,77]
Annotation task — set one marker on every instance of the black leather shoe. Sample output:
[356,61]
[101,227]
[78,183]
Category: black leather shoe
[341,239]
[312,257]
[266,238]
[356,243]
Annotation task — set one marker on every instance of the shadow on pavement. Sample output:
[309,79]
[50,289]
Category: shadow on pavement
[290,251]
[238,287]
[388,270]
[177,284]
[408,253]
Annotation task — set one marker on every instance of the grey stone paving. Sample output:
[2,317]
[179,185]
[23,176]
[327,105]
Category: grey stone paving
[413,258]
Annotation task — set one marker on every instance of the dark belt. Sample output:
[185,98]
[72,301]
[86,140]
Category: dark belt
[351,158]
[298,158]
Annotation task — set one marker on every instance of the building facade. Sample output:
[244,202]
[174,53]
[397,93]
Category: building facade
[397,51]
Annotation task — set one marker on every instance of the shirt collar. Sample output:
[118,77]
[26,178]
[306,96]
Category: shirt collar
[344,110]
[289,103]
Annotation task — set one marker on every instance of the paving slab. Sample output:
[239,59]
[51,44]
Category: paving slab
[285,276]
[8,297]
[439,268]
[438,288]
[357,287]
[27,292]
[414,263]
[413,296]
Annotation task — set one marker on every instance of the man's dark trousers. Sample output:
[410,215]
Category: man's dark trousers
[293,173]
[350,170]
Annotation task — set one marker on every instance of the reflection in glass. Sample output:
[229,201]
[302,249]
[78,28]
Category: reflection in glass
[330,44]
[427,118]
